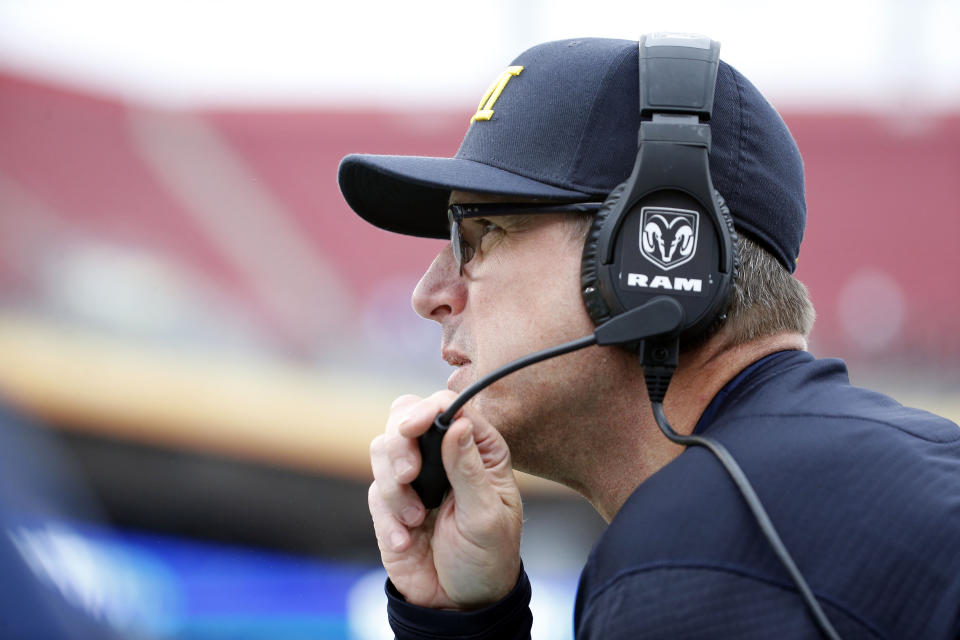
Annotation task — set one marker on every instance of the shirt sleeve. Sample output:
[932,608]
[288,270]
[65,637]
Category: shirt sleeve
[508,619]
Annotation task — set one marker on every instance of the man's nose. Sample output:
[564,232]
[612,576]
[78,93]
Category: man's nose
[441,291]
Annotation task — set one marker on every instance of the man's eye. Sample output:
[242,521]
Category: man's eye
[486,227]
[477,229]
[489,230]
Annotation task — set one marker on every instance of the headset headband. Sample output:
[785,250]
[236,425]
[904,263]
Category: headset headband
[678,74]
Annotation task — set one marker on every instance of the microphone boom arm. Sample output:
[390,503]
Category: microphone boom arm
[658,317]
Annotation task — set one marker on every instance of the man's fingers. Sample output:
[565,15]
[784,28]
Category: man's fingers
[472,489]
[395,455]
[416,418]
[400,410]
[392,534]
[395,465]
[404,401]
[493,448]
[394,458]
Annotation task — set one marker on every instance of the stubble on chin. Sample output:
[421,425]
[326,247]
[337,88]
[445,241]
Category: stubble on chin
[523,425]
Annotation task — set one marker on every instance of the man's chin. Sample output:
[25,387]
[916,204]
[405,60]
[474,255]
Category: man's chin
[501,410]
[461,378]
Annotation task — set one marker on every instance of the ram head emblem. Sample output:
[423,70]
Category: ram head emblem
[668,237]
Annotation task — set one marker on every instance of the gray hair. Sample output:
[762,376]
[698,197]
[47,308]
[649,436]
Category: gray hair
[766,298]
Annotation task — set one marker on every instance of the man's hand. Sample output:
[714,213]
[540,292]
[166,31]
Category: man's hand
[466,553]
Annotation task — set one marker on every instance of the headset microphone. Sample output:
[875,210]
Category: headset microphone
[661,316]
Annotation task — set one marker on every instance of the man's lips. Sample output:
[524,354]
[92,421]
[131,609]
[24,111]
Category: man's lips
[454,357]
[460,378]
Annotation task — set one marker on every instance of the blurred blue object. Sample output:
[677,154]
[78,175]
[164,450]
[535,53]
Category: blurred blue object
[66,573]
[227,591]
[52,582]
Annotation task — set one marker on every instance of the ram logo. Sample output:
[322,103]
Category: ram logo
[668,237]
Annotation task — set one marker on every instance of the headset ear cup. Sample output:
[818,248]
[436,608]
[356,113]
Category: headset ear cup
[597,307]
[721,317]
[724,211]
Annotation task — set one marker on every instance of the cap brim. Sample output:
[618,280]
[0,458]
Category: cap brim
[409,194]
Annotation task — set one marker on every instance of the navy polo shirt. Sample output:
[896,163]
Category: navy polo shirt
[864,492]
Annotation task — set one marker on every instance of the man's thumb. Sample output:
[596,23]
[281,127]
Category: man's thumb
[471,487]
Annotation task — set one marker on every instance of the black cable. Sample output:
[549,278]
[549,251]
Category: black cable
[746,489]
[509,368]
[432,483]
[659,361]
[658,376]
[660,316]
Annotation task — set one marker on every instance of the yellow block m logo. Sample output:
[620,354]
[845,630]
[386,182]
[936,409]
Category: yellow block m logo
[485,110]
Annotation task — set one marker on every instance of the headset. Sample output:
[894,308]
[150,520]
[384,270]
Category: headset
[659,262]
[666,232]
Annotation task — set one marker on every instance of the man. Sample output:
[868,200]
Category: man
[864,493]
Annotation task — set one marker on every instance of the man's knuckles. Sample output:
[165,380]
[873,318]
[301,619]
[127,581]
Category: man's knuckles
[404,400]
[377,445]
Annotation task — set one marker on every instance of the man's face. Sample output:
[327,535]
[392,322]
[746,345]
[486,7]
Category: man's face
[519,294]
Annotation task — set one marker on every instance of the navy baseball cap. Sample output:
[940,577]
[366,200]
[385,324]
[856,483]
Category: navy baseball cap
[561,124]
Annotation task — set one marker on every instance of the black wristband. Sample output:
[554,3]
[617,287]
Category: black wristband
[508,618]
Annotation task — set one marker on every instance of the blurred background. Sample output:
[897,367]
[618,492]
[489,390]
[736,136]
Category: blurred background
[198,339]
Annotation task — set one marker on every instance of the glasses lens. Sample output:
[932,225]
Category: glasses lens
[469,240]
[456,241]
[461,240]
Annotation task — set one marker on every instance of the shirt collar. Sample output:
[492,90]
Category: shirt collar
[710,413]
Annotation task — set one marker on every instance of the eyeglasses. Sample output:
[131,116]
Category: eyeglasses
[466,240]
